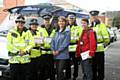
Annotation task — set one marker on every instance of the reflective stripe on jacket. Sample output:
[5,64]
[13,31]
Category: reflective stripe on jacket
[45,48]
[17,42]
[75,33]
[102,36]
[38,40]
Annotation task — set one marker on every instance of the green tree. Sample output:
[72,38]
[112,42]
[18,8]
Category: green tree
[116,21]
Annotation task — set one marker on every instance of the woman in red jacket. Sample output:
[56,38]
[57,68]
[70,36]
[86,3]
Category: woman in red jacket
[86,47]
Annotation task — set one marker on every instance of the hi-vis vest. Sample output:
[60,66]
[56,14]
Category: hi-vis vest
[17,42]
[38,40]
[75,34]
[102,36]
[45,48]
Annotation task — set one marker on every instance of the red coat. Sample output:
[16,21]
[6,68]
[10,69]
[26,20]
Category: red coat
[88,42]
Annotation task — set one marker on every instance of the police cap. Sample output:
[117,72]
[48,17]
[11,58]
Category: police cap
[33,22]
[71,15]
[20,18]
[46,16]
[94,13]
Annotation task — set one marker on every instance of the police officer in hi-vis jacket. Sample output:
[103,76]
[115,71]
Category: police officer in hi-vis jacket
[19,44]
[102,39]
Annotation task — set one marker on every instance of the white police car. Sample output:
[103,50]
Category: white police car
[4,66]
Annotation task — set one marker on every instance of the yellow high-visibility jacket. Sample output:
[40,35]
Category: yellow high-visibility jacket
[47,40]
[102,36]
[38,40]
[19,41]
[75,34]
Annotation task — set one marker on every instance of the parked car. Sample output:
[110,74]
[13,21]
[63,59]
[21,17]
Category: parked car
[112,34]
[4,66]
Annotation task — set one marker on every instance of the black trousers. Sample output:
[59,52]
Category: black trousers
[34,68]
[47,67]
[73,60]
[98,66]
[60,67]
[19,71]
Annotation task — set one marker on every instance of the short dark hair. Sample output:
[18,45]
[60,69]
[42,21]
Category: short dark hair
[86,20]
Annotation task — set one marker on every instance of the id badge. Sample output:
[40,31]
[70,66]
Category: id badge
[81,42]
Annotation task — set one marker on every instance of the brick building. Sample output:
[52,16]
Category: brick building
[8,4]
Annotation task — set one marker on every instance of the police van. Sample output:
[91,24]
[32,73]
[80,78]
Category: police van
[30,11]
[4,66]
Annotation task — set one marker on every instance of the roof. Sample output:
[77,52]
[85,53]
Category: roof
[35,9]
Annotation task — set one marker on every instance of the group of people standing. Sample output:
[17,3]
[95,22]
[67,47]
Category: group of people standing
[47,52]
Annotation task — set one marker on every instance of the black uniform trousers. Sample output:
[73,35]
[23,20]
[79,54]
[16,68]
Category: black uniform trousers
[73,60]
[20,71]
[34,68]
[98,66]
[47,67]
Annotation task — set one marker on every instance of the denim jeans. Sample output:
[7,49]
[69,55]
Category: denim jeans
[87,69]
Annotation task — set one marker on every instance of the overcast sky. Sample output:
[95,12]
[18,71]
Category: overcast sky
[1,3]
[102,5]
